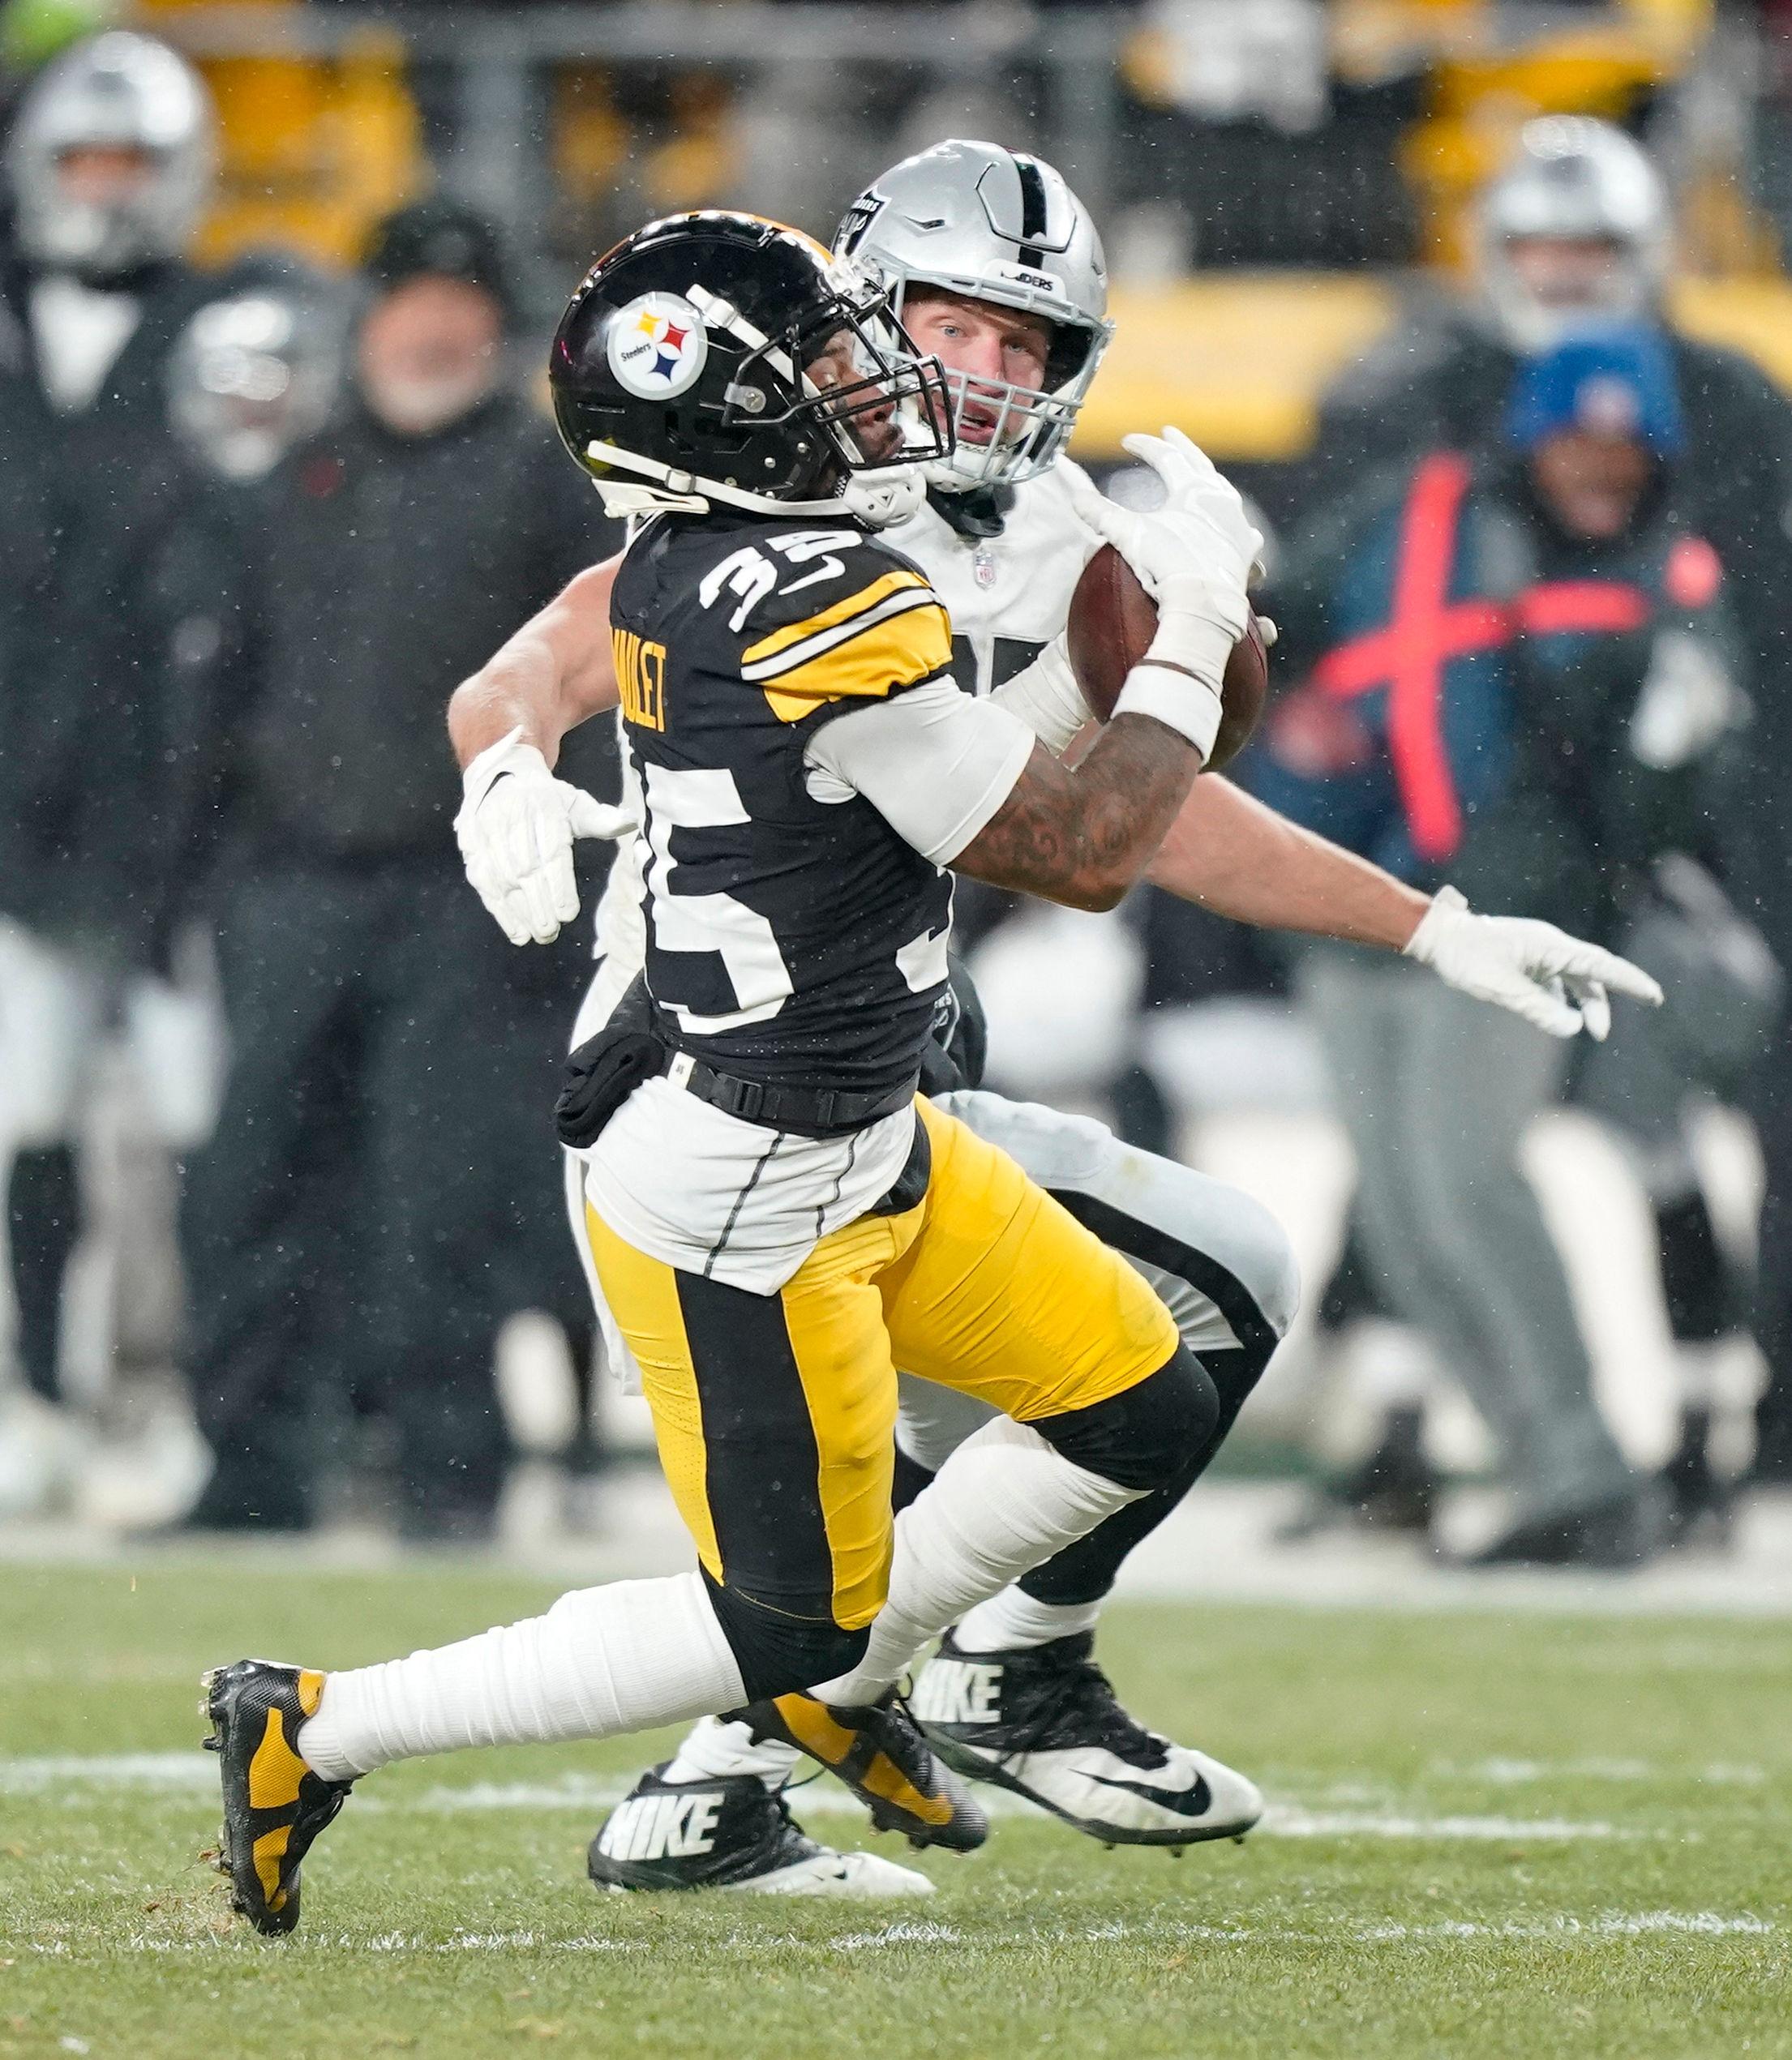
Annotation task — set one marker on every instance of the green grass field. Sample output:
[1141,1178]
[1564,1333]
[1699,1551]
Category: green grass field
[1489,1836]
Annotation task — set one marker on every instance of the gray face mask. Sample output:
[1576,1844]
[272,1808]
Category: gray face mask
[250,379]
[119,91]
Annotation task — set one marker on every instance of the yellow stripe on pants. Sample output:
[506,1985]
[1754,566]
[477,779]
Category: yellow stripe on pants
[643,1297]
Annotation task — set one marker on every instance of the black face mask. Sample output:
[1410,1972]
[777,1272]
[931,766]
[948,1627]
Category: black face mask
[980,513]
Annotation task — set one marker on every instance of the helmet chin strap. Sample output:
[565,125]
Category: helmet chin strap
[882,499]
[688,492]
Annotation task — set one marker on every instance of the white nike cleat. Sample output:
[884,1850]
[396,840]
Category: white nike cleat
[732,1832]
[1045,1723]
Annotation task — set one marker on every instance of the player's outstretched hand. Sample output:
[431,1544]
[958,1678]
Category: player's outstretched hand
[516,830]
[1557,981]
[1195,555]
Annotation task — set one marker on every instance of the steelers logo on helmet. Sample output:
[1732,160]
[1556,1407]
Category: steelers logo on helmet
[656,346]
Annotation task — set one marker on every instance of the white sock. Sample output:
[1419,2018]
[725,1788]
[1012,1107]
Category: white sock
[713,1747]
[1012,1621]
[603,1661]
[1002,1503]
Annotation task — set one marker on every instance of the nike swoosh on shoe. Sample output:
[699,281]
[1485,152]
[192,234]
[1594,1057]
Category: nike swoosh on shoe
[1181,1802]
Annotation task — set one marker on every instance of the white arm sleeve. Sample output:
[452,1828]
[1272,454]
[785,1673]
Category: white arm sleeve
[935,763]
[1047,698]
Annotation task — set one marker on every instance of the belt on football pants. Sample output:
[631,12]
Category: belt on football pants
[807,1111]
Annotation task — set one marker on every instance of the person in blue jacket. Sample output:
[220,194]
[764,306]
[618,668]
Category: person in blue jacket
[1515,675]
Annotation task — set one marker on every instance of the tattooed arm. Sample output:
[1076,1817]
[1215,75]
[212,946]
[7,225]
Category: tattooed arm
[1084,837]
[970,786]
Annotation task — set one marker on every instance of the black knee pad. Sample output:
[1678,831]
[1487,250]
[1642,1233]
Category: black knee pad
[778,1653]
[1146,1437]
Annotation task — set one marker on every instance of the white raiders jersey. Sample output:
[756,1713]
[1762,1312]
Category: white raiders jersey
[1008,597]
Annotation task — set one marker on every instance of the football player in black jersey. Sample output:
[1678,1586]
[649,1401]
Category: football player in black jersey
[1013,1695]
[776,1219]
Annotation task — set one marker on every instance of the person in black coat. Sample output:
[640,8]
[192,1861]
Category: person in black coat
[109,166]
[382,1190]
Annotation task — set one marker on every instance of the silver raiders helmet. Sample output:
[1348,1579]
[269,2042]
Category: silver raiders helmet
[1001,226]
[1574,179]
[115,91]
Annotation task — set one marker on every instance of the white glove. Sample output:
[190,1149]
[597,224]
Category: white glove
[1194,556]
[516,830]
[1540,973]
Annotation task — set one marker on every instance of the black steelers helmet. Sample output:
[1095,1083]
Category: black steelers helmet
[677,370]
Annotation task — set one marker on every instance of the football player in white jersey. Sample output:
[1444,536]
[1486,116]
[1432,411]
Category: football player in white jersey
[1001,275]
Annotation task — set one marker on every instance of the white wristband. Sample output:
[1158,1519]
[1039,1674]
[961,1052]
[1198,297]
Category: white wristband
[1198,642]
[1047,698]
[1190,707]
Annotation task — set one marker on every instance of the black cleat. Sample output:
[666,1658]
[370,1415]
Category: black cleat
[1701,1502]
[1044,1722]
[274,1805]
[729,1831]
[1611,1537]
[1394,1488]
[878,1751]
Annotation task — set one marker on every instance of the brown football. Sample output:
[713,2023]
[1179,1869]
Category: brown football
[1113,621]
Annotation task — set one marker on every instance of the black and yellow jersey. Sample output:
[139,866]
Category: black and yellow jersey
[793,937]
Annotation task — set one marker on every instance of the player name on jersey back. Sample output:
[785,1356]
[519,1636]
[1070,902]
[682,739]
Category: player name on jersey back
[640,679]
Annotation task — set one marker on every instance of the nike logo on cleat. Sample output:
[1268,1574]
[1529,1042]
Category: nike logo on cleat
[958,1691]
[1180,1802]
[662,1826]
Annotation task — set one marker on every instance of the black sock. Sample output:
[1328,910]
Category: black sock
[45,1207]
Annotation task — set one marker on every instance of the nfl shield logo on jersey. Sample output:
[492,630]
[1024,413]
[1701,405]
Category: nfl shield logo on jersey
[656,346]
[983,567]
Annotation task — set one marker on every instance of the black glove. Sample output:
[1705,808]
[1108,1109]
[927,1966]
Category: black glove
[604,1071]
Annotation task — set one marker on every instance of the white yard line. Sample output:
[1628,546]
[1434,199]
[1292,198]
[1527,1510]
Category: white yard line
[76,1776]
[1521,1773]
[1604,1927]
[1280,1820]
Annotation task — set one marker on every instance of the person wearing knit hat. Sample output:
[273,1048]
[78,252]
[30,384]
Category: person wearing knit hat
[431,344]
[1597,420]
[423,520]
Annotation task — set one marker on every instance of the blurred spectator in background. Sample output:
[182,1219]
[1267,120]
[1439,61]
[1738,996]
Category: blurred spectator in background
[1521,682]
[110,164]
[1249,147]
[1578,227]
[383,1187]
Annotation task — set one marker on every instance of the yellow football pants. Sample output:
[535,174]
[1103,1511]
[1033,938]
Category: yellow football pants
[775,1415]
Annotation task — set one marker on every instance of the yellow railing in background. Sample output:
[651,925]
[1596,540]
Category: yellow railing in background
[1237,361]
[1241,361]
[314,152]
